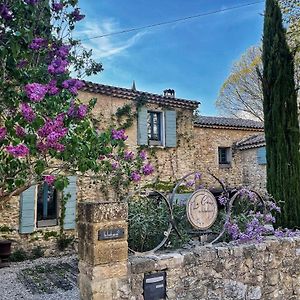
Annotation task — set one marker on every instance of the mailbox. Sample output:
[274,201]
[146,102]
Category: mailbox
[155,286]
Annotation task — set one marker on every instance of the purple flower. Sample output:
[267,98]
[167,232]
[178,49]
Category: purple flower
[5,13]
[223,200]
[20,131]
[128,155]
[63,51]
[143,155]
[52,88]
[38,43]
[57,6]
[115,165]
[3,132]
[269,218]
[20,150]
[32,2]
[190,183]
[82,111]
[135,176]
[27,112]
[76,15]
[22,63]
[272,206]
[197,176]
[233,230]
[36,91]
[49,179]
[57,66]
[73,85]
[147,169]
[119,134]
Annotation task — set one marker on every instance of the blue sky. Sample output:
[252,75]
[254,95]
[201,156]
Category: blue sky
[192,57]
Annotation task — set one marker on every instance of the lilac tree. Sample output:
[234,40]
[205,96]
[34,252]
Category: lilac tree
[45,131]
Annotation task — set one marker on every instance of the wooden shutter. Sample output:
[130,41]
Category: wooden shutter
[27,210]
[69,222]
[142,130]
[261,156]
[171,139]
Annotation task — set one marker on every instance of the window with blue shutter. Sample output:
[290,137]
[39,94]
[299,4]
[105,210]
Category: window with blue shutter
[142,130]
[27,210]
[70,217]
[261,156]
[171,138]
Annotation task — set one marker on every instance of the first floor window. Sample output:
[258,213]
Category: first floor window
[224,155]
[154,125]
[47,205]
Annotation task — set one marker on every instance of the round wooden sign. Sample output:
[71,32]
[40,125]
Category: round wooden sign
[202,209]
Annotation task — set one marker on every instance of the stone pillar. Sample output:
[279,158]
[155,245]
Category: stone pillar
[103,250]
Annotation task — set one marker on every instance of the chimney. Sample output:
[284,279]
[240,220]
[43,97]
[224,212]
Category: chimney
[169,93]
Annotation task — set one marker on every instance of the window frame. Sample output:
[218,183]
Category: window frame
[228,153]
[161,128]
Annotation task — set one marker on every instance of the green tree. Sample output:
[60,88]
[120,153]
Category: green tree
[281,119]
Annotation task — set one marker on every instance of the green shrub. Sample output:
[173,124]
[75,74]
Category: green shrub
[37,252]
[18,255]
[5,229]
[49,234]
[63,241]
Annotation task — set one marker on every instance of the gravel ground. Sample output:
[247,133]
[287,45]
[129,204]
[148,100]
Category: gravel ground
[42,279]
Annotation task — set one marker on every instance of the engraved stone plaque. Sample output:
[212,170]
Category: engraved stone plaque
[110,234]
[202,209]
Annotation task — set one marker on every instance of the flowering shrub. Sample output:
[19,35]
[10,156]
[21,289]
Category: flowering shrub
[45,131]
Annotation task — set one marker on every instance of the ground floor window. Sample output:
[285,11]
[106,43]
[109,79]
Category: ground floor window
[47,205]
[224,156]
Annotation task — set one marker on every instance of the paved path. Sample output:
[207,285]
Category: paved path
[44,279]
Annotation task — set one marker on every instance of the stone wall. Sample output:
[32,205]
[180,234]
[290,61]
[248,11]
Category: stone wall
[253,174]
[269,270]
[207,141]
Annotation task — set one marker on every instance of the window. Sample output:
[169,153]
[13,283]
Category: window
[47,205]
[224,156]
[261,156]
[154,126]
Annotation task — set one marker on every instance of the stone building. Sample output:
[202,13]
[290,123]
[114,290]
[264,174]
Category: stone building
[177,143]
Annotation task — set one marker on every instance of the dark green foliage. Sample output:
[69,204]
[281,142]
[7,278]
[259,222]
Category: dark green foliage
[37,252]
[18,255]
[281,119]
[63,241]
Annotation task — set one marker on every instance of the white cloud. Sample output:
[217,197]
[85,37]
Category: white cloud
[109,46]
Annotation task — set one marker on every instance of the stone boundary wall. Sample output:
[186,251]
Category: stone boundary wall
[268,270]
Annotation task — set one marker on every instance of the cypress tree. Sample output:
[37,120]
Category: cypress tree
[281,118]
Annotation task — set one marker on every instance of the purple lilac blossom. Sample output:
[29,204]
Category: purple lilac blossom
[135,176]
[147,169]
[233,230]
[20,131]
[3,132]
[49,179]
[197,176]
[190,183]
[269,218]
[20,150]
[272,206]
[36,91]
[115,165]
[143,155]
[58,66]
[76,15]
[73,85]
[38,44]
[128,155]
[119,134]
[27,112]
[57,6]
[63,51]
[52,88]
[5,13]
[82,111]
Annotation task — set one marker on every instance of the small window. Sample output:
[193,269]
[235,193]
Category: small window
[154,126]
[47,205]
[224,156]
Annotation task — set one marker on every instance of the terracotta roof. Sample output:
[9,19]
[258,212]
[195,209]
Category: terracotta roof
[253,141]
[221,122]
[134,95]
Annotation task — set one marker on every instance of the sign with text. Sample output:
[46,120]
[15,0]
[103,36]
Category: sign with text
[202,209]
[110,234]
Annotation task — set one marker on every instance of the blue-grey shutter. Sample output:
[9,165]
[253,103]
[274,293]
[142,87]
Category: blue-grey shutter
[171,128]
[27,210]
[142,130]
[261,156]
[69,222]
